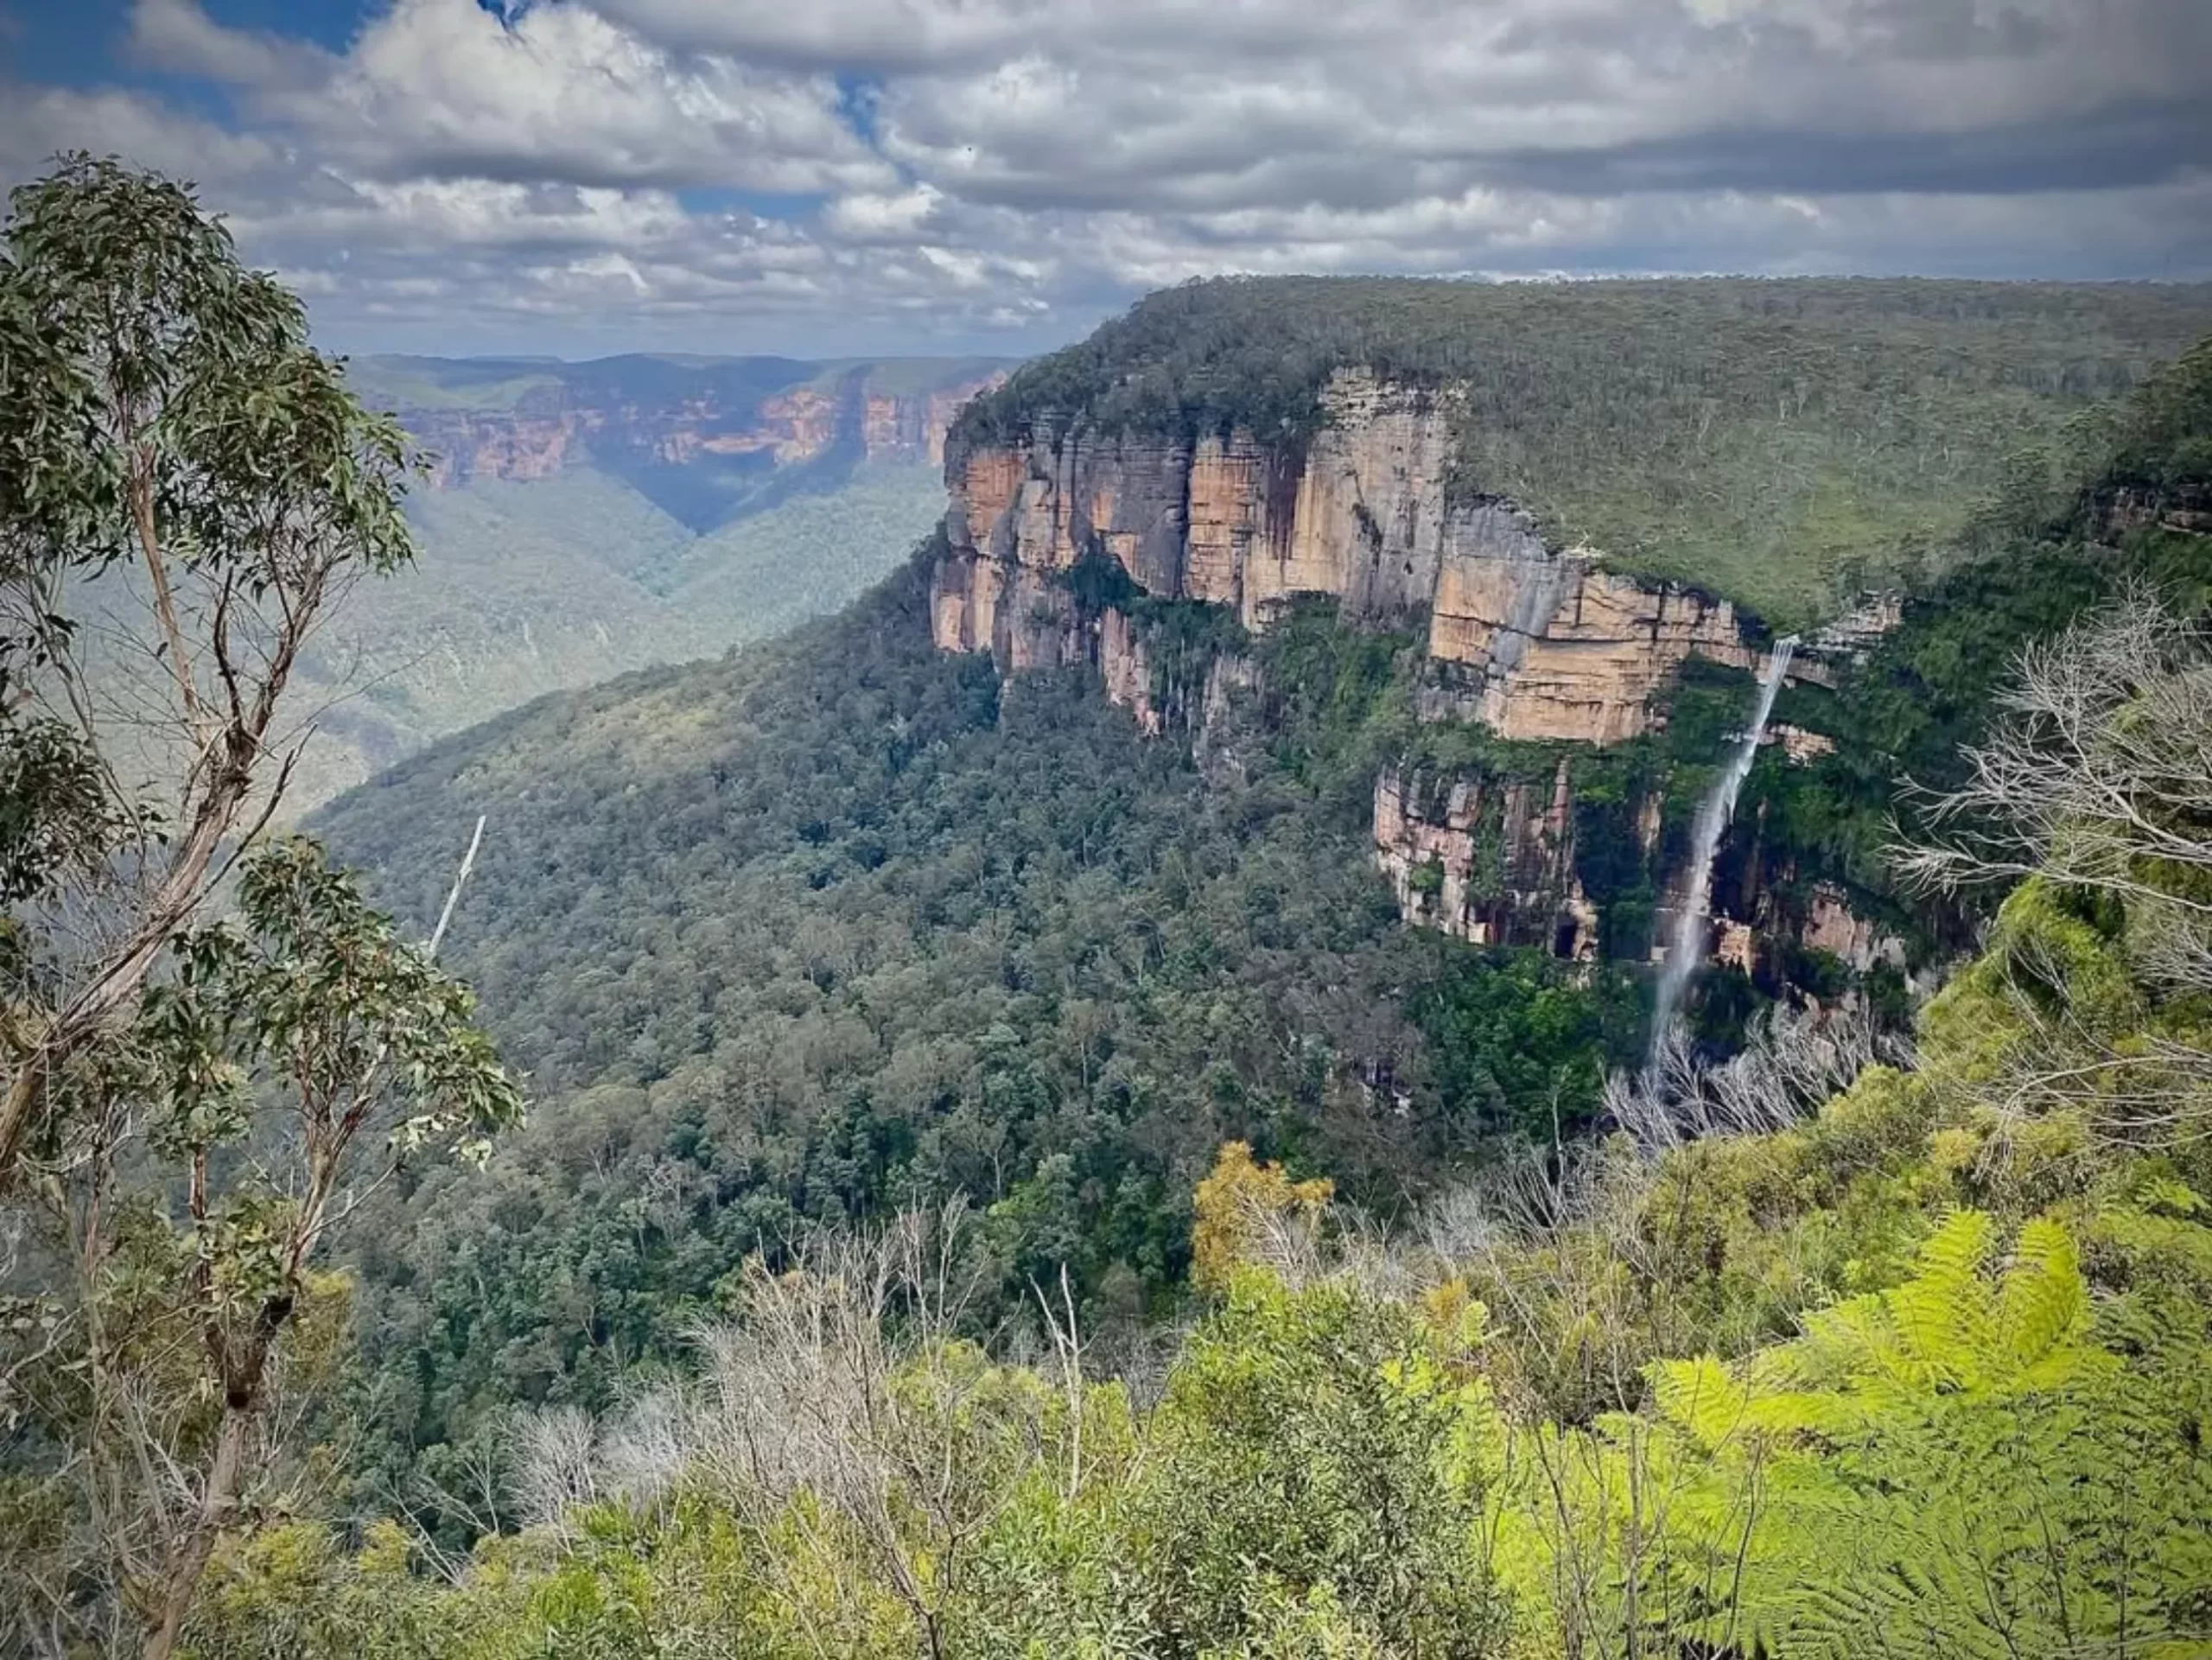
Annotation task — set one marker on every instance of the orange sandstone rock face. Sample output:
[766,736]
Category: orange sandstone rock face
[468,446]
[797,426]
[1367,519]
[1128,676]
[1541,644]
[1430,841]
[1830,926]
[1803,746]
[897,427]
[1734,944]
[1535,642]
[1413,837]
[1225,515]
[1360,515]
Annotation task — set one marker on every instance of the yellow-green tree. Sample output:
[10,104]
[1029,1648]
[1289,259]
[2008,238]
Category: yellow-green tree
[1246,1204]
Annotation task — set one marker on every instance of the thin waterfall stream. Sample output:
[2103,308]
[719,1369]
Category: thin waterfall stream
[1686,945]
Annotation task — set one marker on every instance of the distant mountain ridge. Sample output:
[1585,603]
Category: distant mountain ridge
[706,439]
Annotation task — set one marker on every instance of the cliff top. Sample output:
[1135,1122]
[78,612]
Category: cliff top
[1784,442]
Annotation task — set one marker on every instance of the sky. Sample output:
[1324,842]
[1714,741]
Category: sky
[821,177]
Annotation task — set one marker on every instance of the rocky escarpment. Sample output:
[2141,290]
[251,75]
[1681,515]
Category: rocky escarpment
[563,428]
[1525,861]
[1534,641]
[1490,861]
[2183,507]
[1542,645]
[1049,542]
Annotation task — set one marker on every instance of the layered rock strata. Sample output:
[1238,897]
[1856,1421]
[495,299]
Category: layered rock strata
[1537,642]
[1534,641]
[1494,863]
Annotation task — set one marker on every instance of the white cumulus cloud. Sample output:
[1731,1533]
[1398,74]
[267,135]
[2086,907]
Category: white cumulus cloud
[746,175]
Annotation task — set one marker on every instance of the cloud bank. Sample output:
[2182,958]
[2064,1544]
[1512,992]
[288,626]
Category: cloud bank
[757,174]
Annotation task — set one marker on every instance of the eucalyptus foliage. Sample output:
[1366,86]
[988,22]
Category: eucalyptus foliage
[210,1047]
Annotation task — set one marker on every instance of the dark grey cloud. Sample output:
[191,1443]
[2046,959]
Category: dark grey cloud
[2120,148]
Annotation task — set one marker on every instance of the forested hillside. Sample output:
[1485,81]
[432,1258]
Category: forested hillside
[843,924]
[523,588]
[1913,1360]
[581,519]
[1018,1157]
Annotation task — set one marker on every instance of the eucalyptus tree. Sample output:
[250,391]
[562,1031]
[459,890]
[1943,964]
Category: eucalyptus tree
[210,1045]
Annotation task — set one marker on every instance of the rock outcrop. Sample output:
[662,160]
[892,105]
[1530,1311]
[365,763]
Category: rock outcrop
[1488,862]
[1129,673]
[913,426]
[1495,862]
[1830,926]
[1534,641]
[2184,508]
[1358,512]
[1540,644]
[1801,746]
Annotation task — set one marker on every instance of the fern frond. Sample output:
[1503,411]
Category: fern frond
[1700,1397]
[1945,1315]
[2044,1301]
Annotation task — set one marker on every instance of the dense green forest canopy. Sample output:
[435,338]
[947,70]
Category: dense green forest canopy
[841,923]
[1925,1370]
[1785,442]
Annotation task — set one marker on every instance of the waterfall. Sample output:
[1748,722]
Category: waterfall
[1686,945]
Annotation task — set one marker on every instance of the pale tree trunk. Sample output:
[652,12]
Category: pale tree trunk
[189,1560]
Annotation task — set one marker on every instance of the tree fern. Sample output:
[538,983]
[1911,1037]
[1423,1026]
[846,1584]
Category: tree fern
[2011,1488]
[2044,1307]
[1975,1462]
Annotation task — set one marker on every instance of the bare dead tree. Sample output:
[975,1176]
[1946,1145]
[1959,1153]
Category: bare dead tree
[1792,1060]
[1576,1247]
[843,1422]
[2099,778]
[555,1465]
[1064,1330]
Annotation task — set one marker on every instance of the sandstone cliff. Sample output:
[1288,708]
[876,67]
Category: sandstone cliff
[1537,642]
[1534,641]
[1498,862]
[1491,862]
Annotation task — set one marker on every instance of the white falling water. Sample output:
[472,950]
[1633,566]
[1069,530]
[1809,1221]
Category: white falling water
[1686,947]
